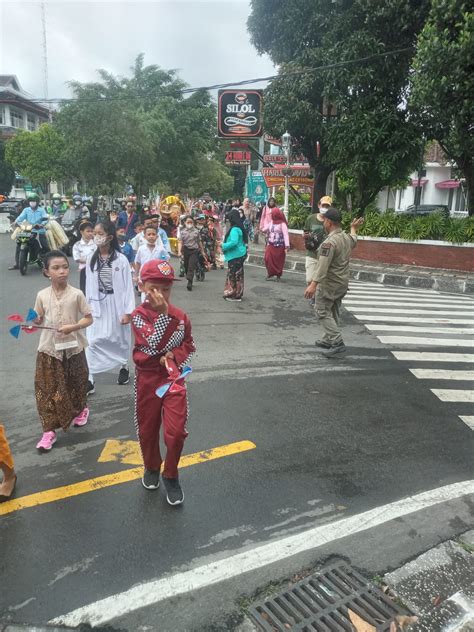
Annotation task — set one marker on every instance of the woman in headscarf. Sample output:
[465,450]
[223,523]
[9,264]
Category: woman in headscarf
[234,248]
[278,243]
[265,217]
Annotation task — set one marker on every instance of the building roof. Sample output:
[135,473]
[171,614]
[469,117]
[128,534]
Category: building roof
[12,92]
[10,81]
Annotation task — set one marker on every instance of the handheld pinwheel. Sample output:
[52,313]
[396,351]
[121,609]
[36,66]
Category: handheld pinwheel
[176,380]
[26,325]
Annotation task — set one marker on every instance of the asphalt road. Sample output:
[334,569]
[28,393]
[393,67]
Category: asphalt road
[333,438]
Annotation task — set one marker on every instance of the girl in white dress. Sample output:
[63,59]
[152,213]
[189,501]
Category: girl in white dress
[109,291]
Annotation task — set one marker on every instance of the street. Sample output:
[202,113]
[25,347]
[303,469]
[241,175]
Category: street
[306,442]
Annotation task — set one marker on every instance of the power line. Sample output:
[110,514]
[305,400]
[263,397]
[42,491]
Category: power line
[218,86]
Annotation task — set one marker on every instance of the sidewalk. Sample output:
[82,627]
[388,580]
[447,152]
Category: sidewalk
[401,275]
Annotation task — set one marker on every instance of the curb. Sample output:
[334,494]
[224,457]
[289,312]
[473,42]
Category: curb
[443,283]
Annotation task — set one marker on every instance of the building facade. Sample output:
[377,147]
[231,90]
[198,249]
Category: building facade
[18,110]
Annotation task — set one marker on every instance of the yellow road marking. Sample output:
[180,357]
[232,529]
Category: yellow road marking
[122,451]
[100,482]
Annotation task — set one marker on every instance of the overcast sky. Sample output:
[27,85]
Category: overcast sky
[207,42]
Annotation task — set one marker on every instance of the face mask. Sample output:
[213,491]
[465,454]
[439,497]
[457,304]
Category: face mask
[77,203]
[100,240]
[189,226]
[121,237]
[33,204]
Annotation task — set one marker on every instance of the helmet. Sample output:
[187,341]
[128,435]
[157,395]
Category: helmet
[33,197]
[57,197]
[77,199]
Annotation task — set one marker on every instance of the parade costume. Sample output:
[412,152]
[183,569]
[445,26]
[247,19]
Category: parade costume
[277,242]
[155,335]
[109,291]
[61,367]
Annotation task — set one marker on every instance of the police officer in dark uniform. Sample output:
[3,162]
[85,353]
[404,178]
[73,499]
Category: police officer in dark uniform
[330,279]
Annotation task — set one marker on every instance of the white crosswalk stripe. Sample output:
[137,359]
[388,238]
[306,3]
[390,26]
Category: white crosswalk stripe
[410,319]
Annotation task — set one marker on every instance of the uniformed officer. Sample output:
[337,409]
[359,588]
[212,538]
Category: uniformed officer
[331,279]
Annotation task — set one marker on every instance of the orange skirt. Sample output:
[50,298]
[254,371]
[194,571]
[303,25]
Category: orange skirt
[5,454]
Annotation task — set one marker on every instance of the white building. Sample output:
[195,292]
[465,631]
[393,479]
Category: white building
[17,109]
[436,186]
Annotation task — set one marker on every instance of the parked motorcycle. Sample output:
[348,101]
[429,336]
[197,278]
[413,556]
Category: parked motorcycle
[29,248]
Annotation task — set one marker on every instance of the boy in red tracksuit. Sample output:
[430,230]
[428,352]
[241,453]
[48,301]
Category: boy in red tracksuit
[163,345]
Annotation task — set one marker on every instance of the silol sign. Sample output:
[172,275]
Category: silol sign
[239,113]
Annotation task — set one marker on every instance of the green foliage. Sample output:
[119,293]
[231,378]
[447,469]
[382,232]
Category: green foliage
[298,212]
[40,156]
[212,177]
[371,141]
[7,173]
[413,228]
[442,85]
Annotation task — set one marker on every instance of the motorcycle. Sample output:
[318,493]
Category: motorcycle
[69,224]
[29,254]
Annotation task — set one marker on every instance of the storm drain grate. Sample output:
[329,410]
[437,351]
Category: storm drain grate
[320,603]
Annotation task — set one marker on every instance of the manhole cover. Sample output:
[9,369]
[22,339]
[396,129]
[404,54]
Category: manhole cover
[320,603]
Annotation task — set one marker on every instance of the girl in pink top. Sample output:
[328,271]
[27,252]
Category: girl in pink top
[278,244]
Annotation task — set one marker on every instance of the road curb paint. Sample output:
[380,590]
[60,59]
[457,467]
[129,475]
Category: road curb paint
[117,478]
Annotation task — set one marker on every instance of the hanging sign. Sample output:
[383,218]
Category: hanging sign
[237,158]
[239,113]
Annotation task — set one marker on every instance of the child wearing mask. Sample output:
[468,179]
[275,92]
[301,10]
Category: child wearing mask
[163,346]
[109,291]
[61,367]
[125,248]
[83,249]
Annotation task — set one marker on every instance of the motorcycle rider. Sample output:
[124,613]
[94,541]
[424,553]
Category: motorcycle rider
[57,207]
[37,216]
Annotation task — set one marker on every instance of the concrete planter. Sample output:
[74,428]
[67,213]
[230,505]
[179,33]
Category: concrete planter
[424,253]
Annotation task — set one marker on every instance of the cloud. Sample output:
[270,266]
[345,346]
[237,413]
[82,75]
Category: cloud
[207,42]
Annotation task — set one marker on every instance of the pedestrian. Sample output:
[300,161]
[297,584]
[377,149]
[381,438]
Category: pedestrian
[125,247]
[265,216]
[155,220]
[139,238]
[234,248]
[163,346]
[330,280]
[190,246]
[83,249]
[61,367]
[109,291]
[278,244]
[128,219]
[314,235]
[7,486]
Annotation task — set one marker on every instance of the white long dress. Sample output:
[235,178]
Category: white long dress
[109,341]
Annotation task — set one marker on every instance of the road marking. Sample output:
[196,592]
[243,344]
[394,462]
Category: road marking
[442,374]
[468,419]
[393,289]
[431,312]
[410,319]
[117,478]
[454,395]
[432,342]
[426,356]
[155,591]
[363,297]
[423,330]
[382,303]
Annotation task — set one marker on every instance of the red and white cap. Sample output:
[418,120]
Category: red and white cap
[157,270]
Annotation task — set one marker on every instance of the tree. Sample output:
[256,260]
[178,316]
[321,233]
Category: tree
[443,83]
[39,156]
[7,173]
[138,129]
[357,112]
[213,178]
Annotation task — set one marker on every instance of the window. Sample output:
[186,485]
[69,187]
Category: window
[16,118]
[2,116]
[31,121]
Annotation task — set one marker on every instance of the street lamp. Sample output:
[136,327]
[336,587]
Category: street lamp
[286,146]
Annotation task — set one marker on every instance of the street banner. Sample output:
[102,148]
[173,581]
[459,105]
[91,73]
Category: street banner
[276,159]
[239,113]
[255,187]
[237,157]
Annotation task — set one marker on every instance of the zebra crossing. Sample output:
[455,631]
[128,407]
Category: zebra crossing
[429,330]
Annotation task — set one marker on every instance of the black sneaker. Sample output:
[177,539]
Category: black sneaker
[323,344]
[123,377]
[334,350]
[189,286]
[151,479]
[90,387]
[174,493]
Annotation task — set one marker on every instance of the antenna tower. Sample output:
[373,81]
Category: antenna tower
[45,52]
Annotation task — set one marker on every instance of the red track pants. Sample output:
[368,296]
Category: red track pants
[150,413]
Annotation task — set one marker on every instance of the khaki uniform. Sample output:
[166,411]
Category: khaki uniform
[332,277]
